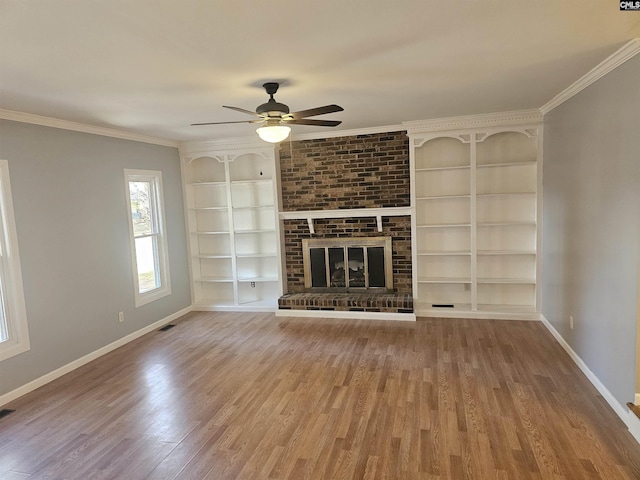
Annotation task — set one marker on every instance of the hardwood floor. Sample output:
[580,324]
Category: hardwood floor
[252,396]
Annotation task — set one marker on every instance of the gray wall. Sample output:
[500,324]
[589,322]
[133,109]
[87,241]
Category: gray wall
[591,226]
[71,220]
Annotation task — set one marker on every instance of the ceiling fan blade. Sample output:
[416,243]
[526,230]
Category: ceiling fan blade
[224,123]
[242,110]
[319,123]
[317,111]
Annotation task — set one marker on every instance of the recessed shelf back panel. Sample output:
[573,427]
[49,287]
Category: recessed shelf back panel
[507,266]
[248,194]
[207,196]
[447,293]
[506,147]
[216,267]
[506,294]
[205,169]
[256,242]
[507,208]
[443,211]
[437,266]
[444,239]
[507,179]
[249,166]
[253,219]
[517,237]
[442,182]
[212,220]
[442,152]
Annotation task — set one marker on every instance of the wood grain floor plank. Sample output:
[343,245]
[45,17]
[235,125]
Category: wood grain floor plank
[251,396]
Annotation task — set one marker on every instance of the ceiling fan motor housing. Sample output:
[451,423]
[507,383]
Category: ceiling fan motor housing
[272,108]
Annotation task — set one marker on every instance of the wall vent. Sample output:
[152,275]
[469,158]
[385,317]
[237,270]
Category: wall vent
[6,411]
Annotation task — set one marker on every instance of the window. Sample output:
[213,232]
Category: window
[14,334]
[148,238]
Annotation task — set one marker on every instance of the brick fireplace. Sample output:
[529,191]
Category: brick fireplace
[368,173]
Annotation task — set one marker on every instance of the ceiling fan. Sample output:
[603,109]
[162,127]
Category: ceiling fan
[276,117]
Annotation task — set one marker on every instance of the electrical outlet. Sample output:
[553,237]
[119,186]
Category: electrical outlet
[571,322]
[253,284]
[120,317]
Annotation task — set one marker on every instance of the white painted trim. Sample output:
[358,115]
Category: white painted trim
[81,127]
[11,274]
[621,410]
[486,120]
[153,177]
[624,53]
[634,425]
[452,313]
[406,317]
[378,213]
[69,367]
[637,400]
[235,308]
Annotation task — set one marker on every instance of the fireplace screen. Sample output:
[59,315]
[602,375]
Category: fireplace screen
[343,264]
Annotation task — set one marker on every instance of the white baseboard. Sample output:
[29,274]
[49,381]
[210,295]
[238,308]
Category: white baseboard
[634,425]
[621,410]
[43,380]
[406,317]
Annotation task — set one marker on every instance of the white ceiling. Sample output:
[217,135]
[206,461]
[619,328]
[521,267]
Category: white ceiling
[155,66]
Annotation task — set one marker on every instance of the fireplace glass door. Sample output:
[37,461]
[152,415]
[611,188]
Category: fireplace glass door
[347,264]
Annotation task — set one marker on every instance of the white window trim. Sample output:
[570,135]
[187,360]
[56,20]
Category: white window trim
[15,308]
[154,176]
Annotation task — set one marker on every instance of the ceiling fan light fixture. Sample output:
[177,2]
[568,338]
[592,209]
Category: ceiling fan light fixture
[273,133]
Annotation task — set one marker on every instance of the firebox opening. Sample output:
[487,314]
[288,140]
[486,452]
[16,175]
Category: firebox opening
[348,264]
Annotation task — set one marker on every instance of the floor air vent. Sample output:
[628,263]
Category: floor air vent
[442,305]
[167,327]
[4,412]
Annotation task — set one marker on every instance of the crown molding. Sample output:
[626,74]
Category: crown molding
[487,120]
[624,53]
[84,128]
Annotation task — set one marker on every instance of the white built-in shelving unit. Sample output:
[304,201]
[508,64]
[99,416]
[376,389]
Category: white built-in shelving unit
[476,197]
[231,197]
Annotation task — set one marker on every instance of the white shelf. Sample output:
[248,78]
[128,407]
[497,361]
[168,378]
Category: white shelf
[444,253]
[445,225]
[257,255]
[506,252]
[506,164]
[436,169]
[508,281]
[439,197]
[444,280]
[215,279]
[260,230]
[233,229]
[254,207]
[506,224]
[505,194]
[266,181]
[209,184]
[477,248]
[257,279]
